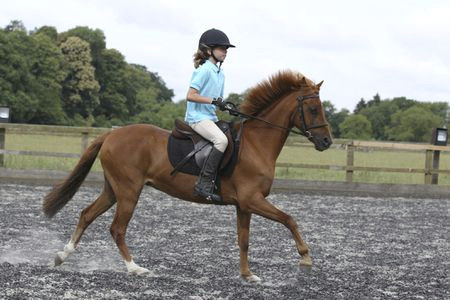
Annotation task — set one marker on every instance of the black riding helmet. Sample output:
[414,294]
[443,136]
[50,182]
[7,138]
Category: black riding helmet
[214,37]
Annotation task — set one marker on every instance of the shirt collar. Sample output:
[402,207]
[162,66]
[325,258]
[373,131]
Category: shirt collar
[212,66]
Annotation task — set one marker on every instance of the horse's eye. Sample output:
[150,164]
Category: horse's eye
[313,110]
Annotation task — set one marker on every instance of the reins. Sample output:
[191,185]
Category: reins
[305,131]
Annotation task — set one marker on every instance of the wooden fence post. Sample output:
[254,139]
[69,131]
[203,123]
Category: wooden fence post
[350,161]
[84,141]
[436,156]
[428,166]
[2,146]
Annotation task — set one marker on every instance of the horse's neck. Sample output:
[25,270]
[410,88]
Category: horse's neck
[270,139]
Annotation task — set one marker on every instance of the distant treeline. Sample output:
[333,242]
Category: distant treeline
[397,119]
[71,78]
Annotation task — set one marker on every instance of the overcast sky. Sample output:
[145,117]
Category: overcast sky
[359,48]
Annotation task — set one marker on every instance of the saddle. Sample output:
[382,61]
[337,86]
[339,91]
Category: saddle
[187,150]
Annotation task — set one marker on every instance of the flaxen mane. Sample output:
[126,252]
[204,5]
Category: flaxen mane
[269,91]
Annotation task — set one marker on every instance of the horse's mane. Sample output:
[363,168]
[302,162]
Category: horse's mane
[270,90]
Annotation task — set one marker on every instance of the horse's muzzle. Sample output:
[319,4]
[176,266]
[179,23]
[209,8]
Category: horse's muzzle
[322,143]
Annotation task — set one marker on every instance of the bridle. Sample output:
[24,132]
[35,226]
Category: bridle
[305,130]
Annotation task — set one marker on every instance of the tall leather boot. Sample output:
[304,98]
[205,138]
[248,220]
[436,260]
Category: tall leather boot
[205,184]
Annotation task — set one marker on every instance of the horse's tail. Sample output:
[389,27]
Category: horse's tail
[63,192]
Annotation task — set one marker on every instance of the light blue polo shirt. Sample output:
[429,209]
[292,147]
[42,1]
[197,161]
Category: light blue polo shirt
[209,81]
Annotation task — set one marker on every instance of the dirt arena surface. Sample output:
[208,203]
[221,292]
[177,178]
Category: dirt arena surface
[362,248]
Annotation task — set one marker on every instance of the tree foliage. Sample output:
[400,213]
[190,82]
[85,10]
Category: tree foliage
[413,125]
[356,127]
[71,78]
[31,72]
[80,92]
[334,117]
[385,115]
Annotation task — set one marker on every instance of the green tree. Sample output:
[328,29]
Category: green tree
[48,72]
[113,95]
[15,25]
[437,108]
[49,31]
[95,38]
[375,100]
[360,106]
[236,98]
[403,103]
[356,127]
[71,78]
[379,116]
[80,89]
[15,78]
[334,118]
[413,125]
[138,78]
[30,74]
[165,94]
[329,109]
[169,112]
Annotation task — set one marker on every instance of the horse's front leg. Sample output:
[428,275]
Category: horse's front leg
[243,230]
[260,206]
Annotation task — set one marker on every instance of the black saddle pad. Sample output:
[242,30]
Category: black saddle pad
[178,149]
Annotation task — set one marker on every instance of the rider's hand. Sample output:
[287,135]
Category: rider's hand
[220,103]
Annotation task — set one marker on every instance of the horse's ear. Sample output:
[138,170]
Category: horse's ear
[319,84]
[303,80]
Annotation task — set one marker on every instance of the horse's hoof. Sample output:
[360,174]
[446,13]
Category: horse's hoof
[139,271]
[251,278]
[306,261]
[58,260]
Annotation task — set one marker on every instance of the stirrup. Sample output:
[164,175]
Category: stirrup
[208,196]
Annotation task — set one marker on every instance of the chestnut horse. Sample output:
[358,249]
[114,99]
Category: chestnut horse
[136,155]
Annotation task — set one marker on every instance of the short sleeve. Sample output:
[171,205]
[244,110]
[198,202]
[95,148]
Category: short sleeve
[199,78]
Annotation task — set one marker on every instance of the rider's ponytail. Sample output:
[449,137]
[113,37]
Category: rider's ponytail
[201,55]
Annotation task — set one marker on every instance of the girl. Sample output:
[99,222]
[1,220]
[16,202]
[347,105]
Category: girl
[204,94]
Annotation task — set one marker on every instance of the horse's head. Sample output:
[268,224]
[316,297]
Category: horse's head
[310,118]
[306,113]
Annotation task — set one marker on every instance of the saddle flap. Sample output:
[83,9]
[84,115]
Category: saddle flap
[182,131]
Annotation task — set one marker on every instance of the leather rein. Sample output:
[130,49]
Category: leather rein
[305,130]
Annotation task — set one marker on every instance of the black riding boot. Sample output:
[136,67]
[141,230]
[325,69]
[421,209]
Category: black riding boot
[205,184]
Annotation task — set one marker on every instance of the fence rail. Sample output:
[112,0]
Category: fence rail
[430,170]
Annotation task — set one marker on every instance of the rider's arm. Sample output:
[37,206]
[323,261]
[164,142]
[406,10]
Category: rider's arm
[193,95]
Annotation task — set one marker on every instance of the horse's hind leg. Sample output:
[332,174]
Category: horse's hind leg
[88,215]
[243,229]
